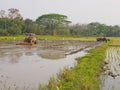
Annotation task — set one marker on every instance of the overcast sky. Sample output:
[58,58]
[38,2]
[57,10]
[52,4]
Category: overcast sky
[78,11]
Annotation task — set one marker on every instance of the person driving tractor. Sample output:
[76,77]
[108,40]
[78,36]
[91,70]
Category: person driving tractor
[30,38]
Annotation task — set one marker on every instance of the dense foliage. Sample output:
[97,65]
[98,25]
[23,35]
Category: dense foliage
[51,24]
[54,24]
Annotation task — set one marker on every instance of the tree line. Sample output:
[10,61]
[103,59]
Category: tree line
[12,23]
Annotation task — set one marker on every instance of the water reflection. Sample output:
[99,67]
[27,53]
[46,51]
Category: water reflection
[14,53]
[14,57]
[51,54]
[44,49]
[30,65]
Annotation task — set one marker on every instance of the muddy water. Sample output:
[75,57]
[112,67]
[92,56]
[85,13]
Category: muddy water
[111,75]
[23,67]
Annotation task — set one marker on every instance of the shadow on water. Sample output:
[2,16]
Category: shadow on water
[25,66]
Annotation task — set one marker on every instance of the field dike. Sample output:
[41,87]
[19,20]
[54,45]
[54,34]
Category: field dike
[84,76]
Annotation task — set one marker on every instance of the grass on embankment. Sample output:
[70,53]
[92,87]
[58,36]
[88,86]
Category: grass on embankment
[12,38]
[84,76]
[46,37]
[66,38]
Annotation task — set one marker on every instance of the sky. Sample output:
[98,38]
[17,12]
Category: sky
[78,11]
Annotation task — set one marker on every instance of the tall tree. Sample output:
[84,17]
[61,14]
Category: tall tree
[52,21]
[14,13]
[31,27]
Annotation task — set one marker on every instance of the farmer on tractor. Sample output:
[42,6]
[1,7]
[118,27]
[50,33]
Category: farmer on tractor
[30,38]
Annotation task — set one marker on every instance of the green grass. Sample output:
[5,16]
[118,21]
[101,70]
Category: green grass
[12,37]
[115,41]
[84,76]
[66,38]
[39,37]
[87,73]
[88,70]
[47,37]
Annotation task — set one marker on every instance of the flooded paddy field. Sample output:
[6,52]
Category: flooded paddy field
[24,67]
[111,75]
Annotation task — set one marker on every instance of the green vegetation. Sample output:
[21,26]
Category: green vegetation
[12,37]
[84,76]
[115,41]
[46,37]
[66,38]
[53,23]
[13,24]
[87,72]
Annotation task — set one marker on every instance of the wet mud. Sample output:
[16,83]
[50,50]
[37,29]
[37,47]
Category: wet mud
[24,67]
[110,78]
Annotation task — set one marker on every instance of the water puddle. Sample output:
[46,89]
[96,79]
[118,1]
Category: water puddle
[24,67]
